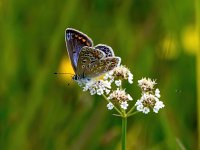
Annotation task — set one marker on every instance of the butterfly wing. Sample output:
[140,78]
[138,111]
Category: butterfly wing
[88,56]
[93,62]
[102,66]
[106,49]
[75,40]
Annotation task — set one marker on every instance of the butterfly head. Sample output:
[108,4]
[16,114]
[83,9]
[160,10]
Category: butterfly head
[81,79]
[87,61]
[76,77]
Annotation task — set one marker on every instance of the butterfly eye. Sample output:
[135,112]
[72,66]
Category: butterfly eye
[83,66]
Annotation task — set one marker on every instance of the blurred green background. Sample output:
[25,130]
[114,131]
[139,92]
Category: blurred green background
[38,110]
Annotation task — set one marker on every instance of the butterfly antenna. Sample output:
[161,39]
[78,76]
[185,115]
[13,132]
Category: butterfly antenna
[63,73]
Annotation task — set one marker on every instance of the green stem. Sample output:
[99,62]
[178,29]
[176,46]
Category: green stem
[124,127]
[114,105]
[130,111]
[131,114]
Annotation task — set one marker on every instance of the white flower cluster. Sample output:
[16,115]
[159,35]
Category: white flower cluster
[149,98]
[98,87]
[146,84]
[120,97]
[120,73]
[102,85]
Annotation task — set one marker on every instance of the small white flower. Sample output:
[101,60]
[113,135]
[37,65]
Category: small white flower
[109,76]
[159,104]
[157,93]
[107,91]
[106,76]
[139,102]
[129,97]
[99,91]
[124,105]
[112,80]
[84,89]
[118,82]
[140,107]
[155,109]
[146,110]
[110,106]
[130,77]
[110,72]
[92,91]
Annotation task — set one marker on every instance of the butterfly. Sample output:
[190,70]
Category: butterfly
[87,61]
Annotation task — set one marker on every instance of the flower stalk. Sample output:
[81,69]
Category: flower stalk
[110,87]
[113,105]
[124,129]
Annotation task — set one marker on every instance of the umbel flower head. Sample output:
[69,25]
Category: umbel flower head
[119,73]
[149,99]
[120,97]
[98,87]
[117,96]
[146,85]
[102,85]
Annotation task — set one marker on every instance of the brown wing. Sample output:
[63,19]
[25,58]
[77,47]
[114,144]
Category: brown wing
[102,66]
[87,57]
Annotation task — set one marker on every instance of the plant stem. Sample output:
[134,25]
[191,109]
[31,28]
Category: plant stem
[124,127]
[131,114]
[130,111]
[114,105]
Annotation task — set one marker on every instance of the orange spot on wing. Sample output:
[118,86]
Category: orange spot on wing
[87,44]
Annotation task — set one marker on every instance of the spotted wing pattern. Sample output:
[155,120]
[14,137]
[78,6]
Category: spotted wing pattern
[93,62]
[106,49]
[75,40]
[102,66]
[88,56]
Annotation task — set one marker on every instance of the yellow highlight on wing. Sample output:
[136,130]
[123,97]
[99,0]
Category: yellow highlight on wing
[65,67]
